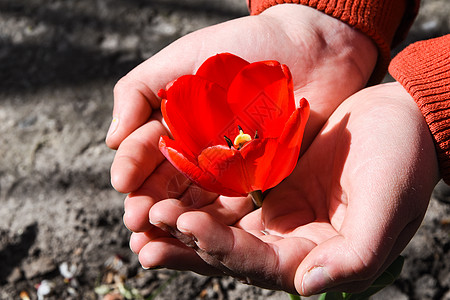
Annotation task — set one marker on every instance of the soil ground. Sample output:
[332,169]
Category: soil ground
[59,61]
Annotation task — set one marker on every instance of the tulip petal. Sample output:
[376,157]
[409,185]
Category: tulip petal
[197,113]
[170,149]
[258,155]
[294,128]
[261,95]
[289,144]
[221,68]
[227,166]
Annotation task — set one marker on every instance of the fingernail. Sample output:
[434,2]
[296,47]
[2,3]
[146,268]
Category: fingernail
[113,127]
[315,281]
[154,223]
[152,268]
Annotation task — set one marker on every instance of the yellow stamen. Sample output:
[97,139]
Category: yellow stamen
[241,139]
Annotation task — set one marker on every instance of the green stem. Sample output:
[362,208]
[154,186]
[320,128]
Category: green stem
[257,198]
[294,297]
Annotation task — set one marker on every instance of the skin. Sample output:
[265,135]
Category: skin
[355,199]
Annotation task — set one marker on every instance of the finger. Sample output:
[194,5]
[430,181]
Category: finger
[243,255]
[135,94]
[370,237]
[137,157]
[226,210]
[134,102]
[135,217]
[335,263]
[360,283]
[165,182]
[139,239]
[355,254]
[173,254]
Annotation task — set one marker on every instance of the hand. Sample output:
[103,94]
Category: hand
[328,60]
[352,204]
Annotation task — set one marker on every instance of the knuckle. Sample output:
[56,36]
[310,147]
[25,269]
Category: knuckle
[120,85]
[366,265]
[362,260]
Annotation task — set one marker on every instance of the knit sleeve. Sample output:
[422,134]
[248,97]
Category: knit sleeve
[423,69]
[386,22]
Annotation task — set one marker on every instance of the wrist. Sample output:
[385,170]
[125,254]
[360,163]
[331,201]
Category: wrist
[423,70]
[304,26]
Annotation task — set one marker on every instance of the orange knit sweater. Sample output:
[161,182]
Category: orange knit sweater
[422,68]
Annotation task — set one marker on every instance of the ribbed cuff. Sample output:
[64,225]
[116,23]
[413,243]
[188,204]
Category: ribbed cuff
[423,69]
[378,19]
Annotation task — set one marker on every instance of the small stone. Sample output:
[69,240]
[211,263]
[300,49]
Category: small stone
[44,288]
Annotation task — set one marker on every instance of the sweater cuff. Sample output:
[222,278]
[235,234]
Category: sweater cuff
[423,69]
[382,21]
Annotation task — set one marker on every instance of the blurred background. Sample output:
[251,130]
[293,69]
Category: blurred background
[61,231]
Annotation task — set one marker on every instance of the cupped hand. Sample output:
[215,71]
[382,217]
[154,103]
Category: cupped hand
[328,59]
[355,199]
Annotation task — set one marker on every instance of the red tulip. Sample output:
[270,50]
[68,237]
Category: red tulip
[231,99]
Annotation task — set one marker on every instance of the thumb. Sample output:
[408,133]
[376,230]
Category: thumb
[135,94]
[376,228]
[333,265]
[354,259]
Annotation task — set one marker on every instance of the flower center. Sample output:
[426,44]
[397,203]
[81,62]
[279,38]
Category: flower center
[240,140]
